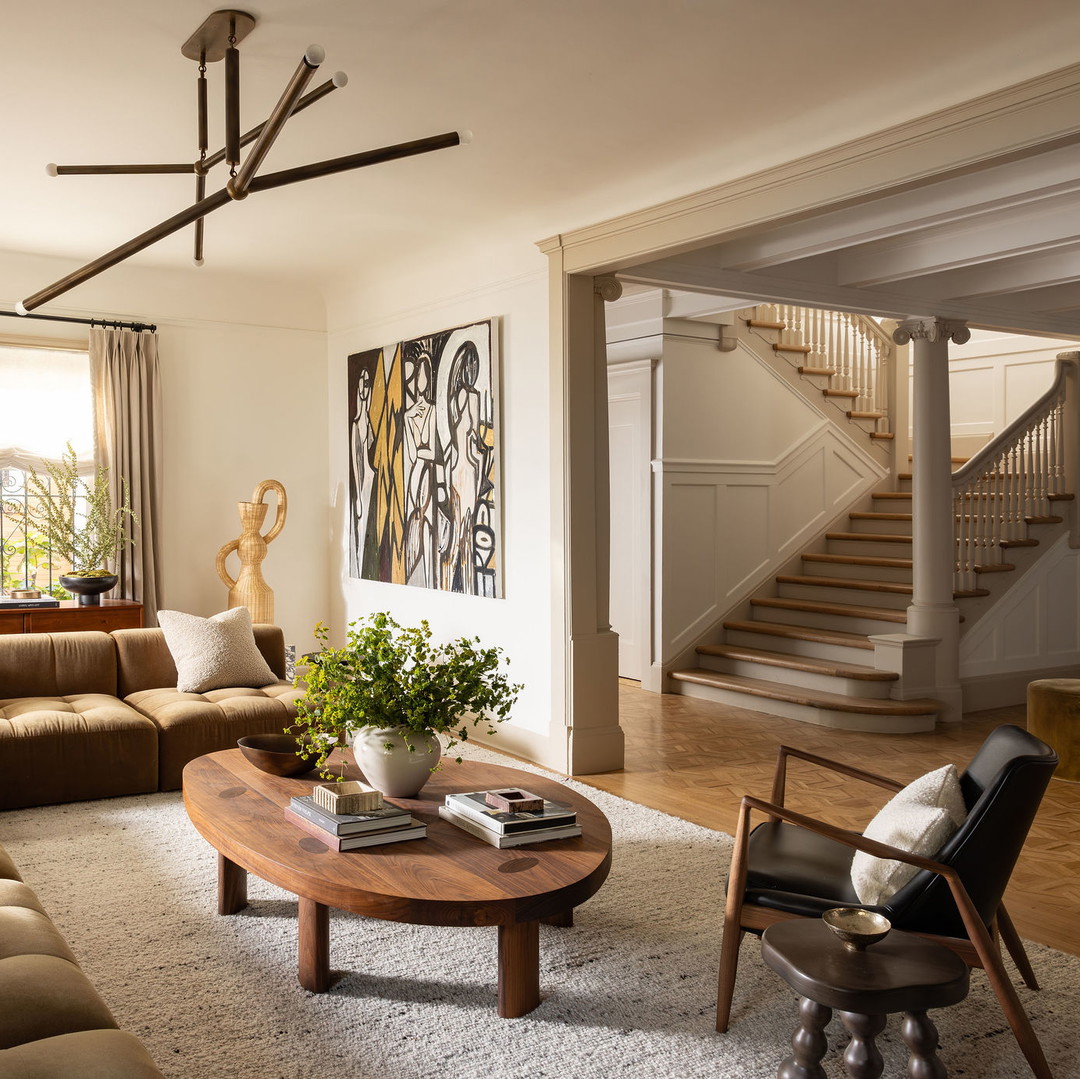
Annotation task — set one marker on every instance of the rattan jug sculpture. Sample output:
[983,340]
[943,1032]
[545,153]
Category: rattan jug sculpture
[249,589]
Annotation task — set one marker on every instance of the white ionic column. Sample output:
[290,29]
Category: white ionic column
[933,612]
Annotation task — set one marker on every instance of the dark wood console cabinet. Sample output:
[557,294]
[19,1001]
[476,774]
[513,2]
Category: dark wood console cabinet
[69,616]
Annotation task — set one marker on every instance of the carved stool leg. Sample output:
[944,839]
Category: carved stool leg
[808,1043]
[862,1059]
[921,1037]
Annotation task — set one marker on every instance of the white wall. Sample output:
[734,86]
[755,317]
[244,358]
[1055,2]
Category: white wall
[243,367]
[379,313]
[993,378]
[742,489]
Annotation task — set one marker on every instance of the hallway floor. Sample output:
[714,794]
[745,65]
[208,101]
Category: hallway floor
[695,759]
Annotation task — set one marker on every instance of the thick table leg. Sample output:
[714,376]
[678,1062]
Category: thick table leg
[564,920]
[519,969]
[921,1037]
[808,1043]
[862,1058]
[231,886]
[314,940]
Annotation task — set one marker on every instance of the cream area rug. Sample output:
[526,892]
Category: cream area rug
[629,991]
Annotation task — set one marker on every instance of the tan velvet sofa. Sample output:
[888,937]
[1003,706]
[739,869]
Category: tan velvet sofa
[53,1024]
[93,715]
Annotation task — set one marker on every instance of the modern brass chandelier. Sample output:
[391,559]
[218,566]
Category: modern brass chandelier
[217,39]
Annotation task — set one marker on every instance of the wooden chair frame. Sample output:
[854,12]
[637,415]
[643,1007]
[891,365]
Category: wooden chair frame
[981,949]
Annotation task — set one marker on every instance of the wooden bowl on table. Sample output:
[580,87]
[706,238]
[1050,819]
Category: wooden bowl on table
[277,754]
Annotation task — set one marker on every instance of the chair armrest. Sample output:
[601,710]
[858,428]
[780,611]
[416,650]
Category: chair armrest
[780,776]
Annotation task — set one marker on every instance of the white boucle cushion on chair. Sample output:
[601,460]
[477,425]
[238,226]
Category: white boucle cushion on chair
[214,653]
[918,819]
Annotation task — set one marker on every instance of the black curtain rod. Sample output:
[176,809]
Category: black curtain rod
[138,327]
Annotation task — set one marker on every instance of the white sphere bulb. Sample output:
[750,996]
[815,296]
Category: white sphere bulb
[20,309]
[197,262]
[51,169]
[340,79]
[314,56]
[465,137]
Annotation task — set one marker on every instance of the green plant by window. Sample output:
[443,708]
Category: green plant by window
[387,676]
[76,517]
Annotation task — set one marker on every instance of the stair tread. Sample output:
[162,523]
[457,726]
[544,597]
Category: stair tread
[804,633]
[765,324]
[868,537]
[804,349]
[828,372]
[813,698]
[1049,519]
[865,515]
[858,671]
[842,610]
[1061,496]
[858,560]
[859,583]
[841,393]
[995,567]
[1019,543]
[887,436]
[856,415]
[900,496]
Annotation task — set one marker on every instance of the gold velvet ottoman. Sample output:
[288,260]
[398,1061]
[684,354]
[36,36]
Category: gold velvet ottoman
[1053,714]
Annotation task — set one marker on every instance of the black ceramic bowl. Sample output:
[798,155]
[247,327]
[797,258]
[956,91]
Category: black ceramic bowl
[274,753]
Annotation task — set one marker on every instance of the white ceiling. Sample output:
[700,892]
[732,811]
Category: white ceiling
[580,110]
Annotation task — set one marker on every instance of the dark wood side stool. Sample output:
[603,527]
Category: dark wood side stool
[902,973]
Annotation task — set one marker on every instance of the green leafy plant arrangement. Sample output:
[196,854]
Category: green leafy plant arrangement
[75,516]
[387,675]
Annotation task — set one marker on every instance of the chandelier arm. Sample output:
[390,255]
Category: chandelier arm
[238,186]
[335,83]
[232,105]
[120,170]
[355,161]
[126,250]
[200,228]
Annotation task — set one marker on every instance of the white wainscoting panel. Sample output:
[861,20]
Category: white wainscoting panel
[1035,626]
[728,524]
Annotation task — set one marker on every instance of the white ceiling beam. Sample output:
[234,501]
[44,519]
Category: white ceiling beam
[999,278]
[1017,183]
[678,272]
[1055,224]
[1061,299]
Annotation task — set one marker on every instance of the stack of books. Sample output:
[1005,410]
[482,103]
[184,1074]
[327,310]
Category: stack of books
[16,603]
[349,831]
[474,813]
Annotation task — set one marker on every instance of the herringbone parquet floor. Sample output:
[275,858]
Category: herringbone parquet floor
[695,760]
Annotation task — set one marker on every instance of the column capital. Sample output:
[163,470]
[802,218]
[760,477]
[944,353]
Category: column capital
[607,287]
[931,329]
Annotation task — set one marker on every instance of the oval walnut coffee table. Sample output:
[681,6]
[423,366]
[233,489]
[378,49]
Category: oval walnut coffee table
[448,878]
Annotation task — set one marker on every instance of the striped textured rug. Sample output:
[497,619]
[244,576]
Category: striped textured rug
[628,991]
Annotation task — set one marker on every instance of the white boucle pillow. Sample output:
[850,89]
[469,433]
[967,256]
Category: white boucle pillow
[939,789]
[918,819]
[214,653]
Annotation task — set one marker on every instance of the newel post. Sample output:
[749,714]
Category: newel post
[1071,433]
[933,612]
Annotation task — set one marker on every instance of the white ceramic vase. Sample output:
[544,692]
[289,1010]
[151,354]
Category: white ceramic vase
[383,755]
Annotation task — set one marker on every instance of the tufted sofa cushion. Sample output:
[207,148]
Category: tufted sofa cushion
[191,724]
[52,1021]
[70,748]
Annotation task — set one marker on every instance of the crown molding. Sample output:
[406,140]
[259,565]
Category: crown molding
[1019,121]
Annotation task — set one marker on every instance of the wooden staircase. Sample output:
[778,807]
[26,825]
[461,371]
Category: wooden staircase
[805,653]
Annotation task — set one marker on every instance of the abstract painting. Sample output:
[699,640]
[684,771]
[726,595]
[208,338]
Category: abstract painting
[424,498]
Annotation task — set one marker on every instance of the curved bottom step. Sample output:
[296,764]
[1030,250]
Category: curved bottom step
[883,715]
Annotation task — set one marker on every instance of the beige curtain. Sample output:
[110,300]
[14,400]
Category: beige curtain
[127,428]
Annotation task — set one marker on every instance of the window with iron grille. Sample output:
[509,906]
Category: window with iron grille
[45,405]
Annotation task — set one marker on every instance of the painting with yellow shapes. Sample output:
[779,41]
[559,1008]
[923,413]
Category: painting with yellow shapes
[424,494]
